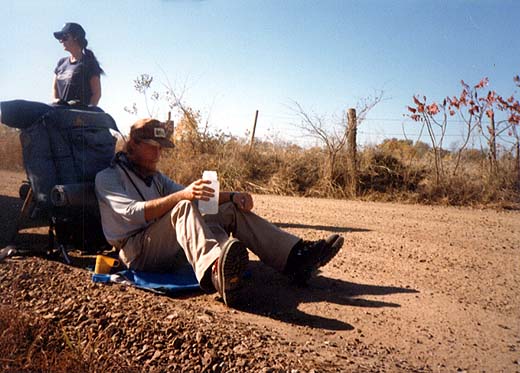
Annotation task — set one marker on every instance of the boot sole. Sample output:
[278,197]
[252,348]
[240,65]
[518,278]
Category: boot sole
[234,260]
[335,246]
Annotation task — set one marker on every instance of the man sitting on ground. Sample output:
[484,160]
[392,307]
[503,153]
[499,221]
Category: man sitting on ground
[156,225]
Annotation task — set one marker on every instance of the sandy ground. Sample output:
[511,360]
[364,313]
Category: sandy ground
[416,288]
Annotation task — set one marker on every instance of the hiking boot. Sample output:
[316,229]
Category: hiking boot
[335,242]
[307,256]
[228,269]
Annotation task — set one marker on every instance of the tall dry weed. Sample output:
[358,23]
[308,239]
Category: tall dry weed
[395,170]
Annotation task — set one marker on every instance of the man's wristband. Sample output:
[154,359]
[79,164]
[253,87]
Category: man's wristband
[231,195]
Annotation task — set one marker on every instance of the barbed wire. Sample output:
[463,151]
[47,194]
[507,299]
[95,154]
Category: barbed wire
[404,119]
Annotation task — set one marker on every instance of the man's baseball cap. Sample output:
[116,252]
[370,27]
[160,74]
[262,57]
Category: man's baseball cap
[70,28]
[152,132]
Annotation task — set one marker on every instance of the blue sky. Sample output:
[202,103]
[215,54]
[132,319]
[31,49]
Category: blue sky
[235,57]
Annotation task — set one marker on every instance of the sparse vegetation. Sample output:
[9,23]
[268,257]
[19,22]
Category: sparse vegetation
[395,170]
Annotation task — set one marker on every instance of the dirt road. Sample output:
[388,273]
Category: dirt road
[416,288]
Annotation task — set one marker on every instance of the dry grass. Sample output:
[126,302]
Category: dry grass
[395,170]
[10,149]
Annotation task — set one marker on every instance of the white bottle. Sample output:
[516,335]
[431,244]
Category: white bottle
[210,207]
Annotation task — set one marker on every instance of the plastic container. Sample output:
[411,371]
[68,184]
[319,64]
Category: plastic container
[210,207]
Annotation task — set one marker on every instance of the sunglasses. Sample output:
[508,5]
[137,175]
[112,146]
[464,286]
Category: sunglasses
[65,37]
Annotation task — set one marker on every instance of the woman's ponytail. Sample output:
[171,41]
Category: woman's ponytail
[90,54]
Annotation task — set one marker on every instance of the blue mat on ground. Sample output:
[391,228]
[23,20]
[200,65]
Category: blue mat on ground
[183,279]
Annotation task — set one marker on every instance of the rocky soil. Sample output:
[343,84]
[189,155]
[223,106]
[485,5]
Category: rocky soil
[415,288]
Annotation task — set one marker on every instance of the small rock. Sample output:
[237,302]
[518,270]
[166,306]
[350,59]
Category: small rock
[172,316]
[177,343]
[240,349]
[157,354]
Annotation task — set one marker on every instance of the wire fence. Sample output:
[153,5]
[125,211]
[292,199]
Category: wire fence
[285,127]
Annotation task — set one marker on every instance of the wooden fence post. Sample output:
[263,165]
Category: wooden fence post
[352,152]
[517,165]
[492,146]
[251,142]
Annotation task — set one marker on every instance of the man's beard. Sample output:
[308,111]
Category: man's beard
[143,167]
[146,168]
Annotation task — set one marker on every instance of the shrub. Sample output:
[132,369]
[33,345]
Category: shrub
[393,170]
[383,172]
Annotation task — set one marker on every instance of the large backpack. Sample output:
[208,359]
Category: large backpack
[63,150]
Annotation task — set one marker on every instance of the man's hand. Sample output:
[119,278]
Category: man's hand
[198,190]
[156,208]
[244,201]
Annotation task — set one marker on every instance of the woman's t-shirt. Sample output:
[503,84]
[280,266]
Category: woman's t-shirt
[73,79]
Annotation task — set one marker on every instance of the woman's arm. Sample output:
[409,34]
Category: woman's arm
[55,96]
[95,87]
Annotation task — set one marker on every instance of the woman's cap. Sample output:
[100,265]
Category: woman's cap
[70,28]
[152,132]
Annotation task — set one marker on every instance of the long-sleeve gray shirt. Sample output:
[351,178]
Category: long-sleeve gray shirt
[121,206]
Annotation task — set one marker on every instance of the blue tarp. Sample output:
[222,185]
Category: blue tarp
[183,279]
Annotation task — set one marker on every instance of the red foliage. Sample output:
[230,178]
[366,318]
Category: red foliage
[472,100]
[483,82]
[501,101]
[433,109]
[463,96]
[454,102]
[514,118]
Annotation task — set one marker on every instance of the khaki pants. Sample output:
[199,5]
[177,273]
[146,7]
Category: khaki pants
[184,234]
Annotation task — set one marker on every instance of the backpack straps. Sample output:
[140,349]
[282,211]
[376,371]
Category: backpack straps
[131,180]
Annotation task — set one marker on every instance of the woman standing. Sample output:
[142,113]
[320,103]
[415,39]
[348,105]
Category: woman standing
[77,77]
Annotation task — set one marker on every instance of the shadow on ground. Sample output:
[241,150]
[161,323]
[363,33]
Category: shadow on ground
[266,292]
[270,294]
[328,228]
[10,220]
